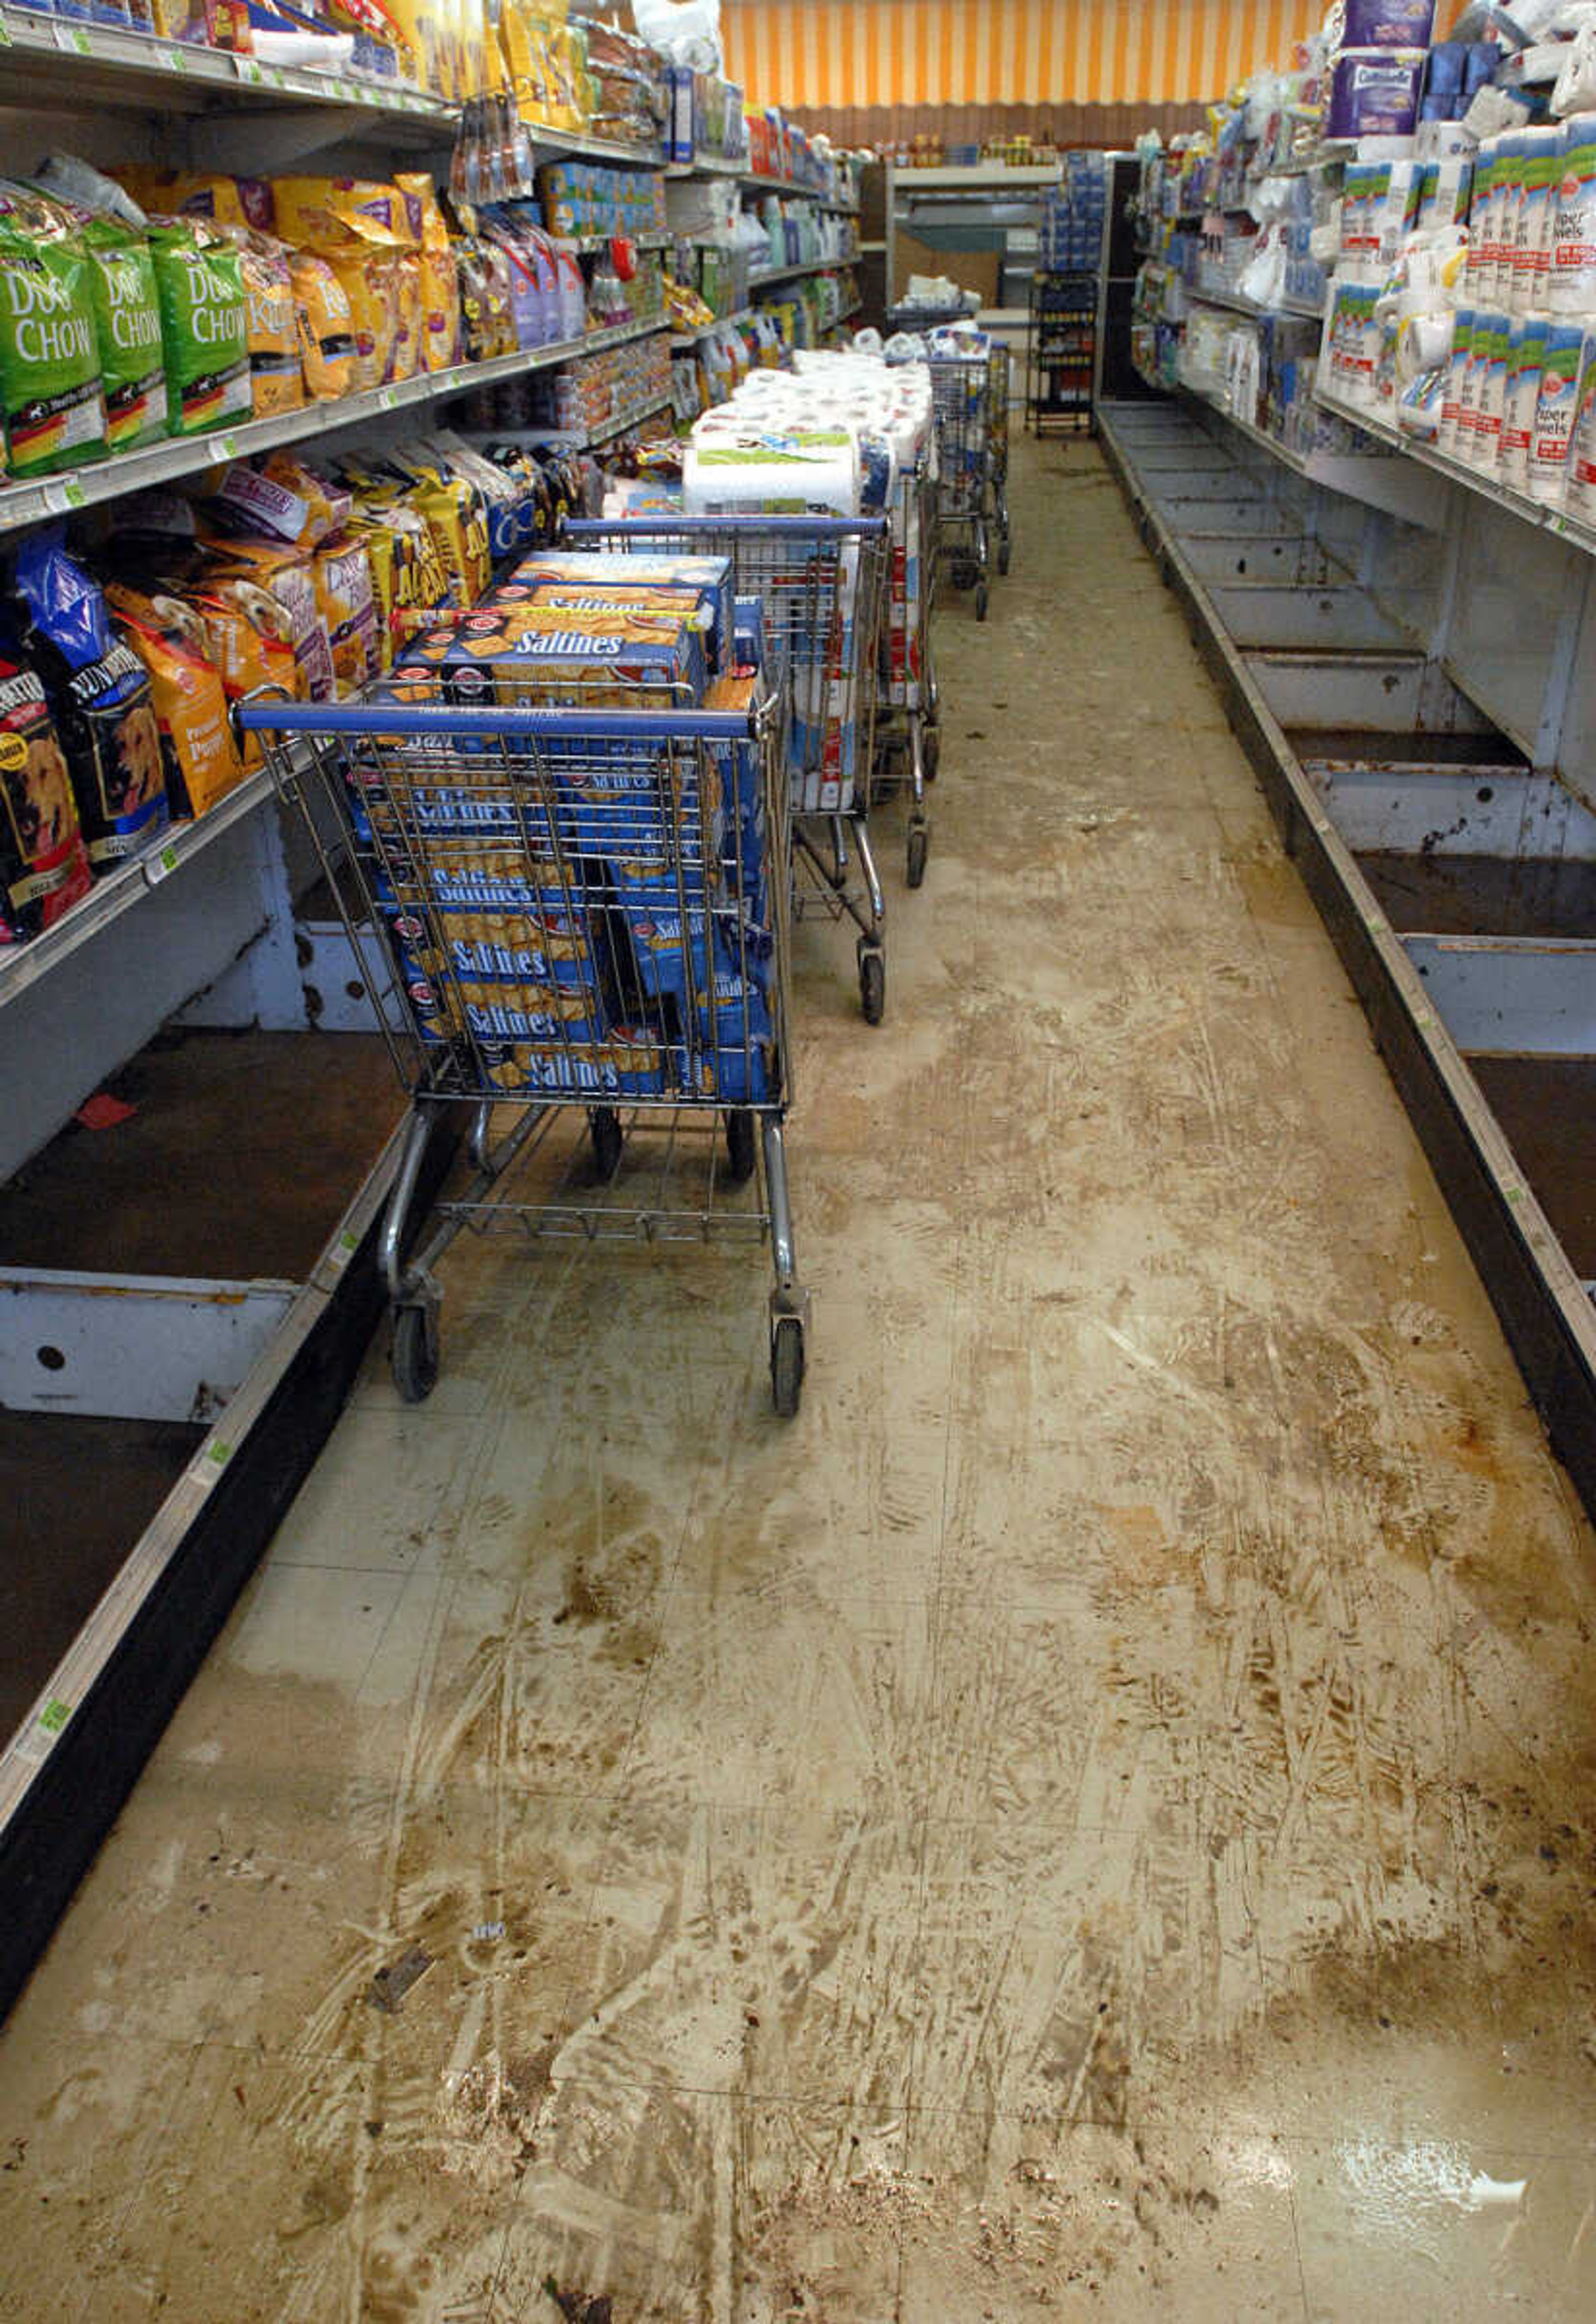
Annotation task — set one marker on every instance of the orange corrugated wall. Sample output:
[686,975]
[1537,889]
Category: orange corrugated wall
[857,52]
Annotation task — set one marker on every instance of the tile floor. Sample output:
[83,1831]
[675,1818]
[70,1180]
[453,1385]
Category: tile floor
[1091,1820]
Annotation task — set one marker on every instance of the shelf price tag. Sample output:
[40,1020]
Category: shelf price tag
[228,445]
[4,31]
[75,39]
[43,1730]
[164,861]
[387,400]
[249,69]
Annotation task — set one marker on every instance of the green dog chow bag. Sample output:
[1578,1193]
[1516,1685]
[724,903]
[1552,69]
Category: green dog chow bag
[127,323]
[50,398]
[204,326]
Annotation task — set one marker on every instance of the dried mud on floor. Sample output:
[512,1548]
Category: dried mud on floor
[1093,1819]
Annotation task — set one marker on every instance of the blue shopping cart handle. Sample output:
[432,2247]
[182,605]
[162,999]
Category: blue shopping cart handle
[639,527]
[415,721]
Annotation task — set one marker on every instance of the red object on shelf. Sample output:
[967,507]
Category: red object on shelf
[624,256]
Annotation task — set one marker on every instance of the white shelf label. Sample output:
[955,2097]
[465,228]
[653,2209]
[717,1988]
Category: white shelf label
[343,1249]
[4,34]
[228,445]
[250,69]
[39,1736]
[74,39]
[164,861]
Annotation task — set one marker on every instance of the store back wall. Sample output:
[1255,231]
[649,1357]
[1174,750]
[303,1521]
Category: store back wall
[877,54]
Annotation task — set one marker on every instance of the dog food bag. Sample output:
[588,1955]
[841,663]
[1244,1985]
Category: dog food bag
[204,325]
[127,327]
[287,575]
[43,864]
[344,594]
[250,642]
[440,279]
[50,396]
[370,283]
[100,696]
[276,369]
[202,761]
[326,326]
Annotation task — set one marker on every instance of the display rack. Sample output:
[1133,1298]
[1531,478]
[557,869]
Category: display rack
[1061,352]
[986,209]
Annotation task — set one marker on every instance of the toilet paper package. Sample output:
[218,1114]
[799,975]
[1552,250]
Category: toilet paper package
[1526,357]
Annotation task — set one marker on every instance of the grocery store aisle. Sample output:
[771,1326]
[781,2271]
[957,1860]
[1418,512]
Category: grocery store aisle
[1093,1819]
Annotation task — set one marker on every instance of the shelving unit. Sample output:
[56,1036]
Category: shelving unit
[1061,351]
[971,212]
[26,504]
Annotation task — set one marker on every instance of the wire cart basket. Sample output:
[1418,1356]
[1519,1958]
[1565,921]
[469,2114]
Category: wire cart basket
[997,388]
[961,388]
[577,912]
[822,586]
[909,739]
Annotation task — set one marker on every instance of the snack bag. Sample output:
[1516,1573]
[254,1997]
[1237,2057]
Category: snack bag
[100,697]
[204,325]
[51,397]
[43,864]
[287,499]
[238,202]
[344,595]
[202,761]
[327,327]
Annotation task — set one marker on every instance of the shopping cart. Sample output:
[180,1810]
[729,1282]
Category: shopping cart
[961,388]
[821,583]
[997,391]
[908,737]
[571,912]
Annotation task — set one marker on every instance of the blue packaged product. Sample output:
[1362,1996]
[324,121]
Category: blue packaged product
[99,698]
[711,576]
[749,630]
[666,952]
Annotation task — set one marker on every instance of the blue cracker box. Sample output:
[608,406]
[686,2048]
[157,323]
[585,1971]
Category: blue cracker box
[570,1019]
[639,1060]
[749,632]
[494,922]
[664,948]
[536,1069]
[712,576]
[483,660]
[432,1006]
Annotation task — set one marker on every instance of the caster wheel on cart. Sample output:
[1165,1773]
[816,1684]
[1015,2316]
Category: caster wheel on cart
[981,599]
[919,843]
[739,1145]
[1003,547]
[787,1366]
[873,983]
[608,1141]
[964,575]
[930,752]
[414,1355]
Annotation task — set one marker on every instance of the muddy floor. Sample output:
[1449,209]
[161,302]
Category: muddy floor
[1094,1820]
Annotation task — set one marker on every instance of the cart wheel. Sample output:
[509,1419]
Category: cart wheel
[1003,547]
[787,1366]
[930,752]
[873,983]
[609,1140]
[980,602]
[414,1355]
[739,1145]
[919,842]
[964,574]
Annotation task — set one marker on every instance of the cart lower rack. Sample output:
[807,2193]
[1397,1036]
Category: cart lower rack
[579,913]
[821,583]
